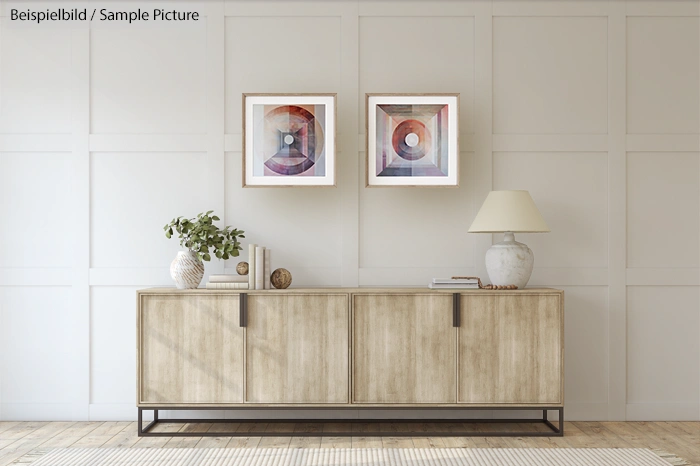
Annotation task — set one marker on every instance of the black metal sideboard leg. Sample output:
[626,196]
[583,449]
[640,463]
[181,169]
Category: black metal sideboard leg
[144,431]
[558,431]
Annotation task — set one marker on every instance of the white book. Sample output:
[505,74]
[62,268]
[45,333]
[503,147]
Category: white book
[227,278]
[267,269]
[227,286]
[455,286]
[251,266]
[455,280]
[260,268]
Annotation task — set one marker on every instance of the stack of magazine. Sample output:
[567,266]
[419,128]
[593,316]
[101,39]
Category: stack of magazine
[228,282]
[454,283]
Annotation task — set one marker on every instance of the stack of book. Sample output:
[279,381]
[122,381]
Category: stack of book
[454,283]
[228,282]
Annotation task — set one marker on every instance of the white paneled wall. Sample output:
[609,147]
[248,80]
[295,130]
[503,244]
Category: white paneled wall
[594,106]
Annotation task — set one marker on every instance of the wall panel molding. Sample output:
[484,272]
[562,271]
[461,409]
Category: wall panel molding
[30,276]
[546,8]
[663,143]
[676,276]
[550,143]
[617,211]
[79,324]
[149,142]
[36,143]
[663,7]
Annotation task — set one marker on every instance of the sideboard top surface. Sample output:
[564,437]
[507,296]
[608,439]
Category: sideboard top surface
[365,290]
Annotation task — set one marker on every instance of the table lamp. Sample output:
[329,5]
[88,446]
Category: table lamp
[509,212]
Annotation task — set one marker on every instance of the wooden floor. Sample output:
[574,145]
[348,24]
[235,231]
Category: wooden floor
[19,438]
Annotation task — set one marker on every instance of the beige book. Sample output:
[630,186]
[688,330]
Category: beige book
[251,266]
[267,269]
[259,267]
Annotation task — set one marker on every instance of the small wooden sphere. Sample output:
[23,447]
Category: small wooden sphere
[242,268]
[281,279]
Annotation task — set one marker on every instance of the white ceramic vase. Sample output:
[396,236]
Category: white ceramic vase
[509,262]
[187,270]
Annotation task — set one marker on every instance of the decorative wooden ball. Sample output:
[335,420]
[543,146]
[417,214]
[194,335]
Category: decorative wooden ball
[242,268]
[281,279]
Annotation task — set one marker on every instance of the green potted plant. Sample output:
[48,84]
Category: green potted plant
[200,238]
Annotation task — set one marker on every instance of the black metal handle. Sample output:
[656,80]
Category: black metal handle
[455,309]
[243,309]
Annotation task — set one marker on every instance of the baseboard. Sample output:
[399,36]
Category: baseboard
[663,411]
[575,411]
[38,412]
[115,412]
[128,412]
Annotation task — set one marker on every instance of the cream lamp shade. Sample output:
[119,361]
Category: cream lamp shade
[509,212]
[513,211]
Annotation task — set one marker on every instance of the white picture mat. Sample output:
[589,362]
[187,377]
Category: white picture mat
[453,149]
[329,144]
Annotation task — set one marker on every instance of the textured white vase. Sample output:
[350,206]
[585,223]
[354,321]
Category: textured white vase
[187,270]
[509,262]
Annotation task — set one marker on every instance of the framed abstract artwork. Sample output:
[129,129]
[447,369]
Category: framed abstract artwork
[412,140]
[289,140]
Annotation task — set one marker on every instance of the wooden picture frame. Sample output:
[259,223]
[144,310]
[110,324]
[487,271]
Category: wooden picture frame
[418,136]
[289,140]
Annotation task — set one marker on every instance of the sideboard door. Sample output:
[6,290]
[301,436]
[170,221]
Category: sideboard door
[404,349]
[297,348]
[190,349]
[511,349]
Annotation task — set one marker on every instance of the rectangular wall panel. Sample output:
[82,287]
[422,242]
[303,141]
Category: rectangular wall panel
[550,75]
[570,190]
[35,207]
[148,79]
[586,336]
[301,226]
[280,55]
[112,344]
[37,348]
[663,350]
[663,201]
[133,195]
[35,80]
[442,48]
[663,71]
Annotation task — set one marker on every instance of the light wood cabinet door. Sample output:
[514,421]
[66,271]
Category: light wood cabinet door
[190,349]
[511,349]
[404,349]
[297,348]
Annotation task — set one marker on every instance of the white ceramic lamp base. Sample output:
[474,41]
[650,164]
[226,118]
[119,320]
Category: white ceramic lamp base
[509,262]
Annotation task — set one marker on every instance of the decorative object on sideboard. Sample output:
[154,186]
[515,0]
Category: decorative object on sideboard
[242,268]
[281,279]
[251,266]
[200,237]
[289,140]
[509,212]
[267,270]
[412,140]
[227,282]
[487,287]
[455,283]
[260,268]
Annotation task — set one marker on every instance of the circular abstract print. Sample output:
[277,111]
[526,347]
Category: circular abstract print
[292,140]
[411,140]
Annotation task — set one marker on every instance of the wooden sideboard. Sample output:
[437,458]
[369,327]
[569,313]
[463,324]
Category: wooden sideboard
[350,348]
